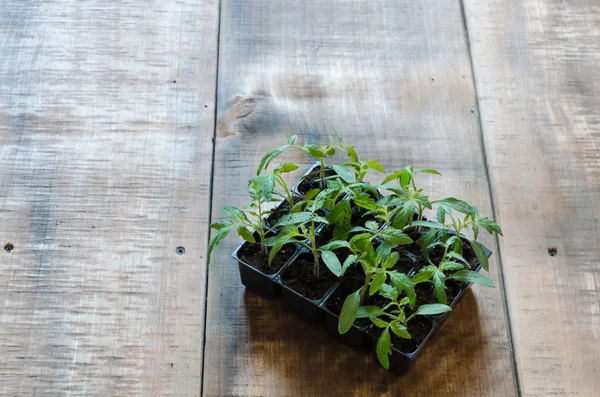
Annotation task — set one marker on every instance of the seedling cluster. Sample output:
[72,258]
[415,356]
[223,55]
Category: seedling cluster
[365,235]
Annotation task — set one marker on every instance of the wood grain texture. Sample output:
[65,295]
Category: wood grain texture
[106,121]
[393,77]
[538,81]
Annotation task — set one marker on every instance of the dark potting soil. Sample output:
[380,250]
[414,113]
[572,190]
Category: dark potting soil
[352,281]
[312,181]
[426,292]
[300,277]
[253,256]
[418,328]
[279,211]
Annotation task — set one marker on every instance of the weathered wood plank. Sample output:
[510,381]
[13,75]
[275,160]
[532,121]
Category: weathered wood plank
[106,121]
[393,77]
[538,82]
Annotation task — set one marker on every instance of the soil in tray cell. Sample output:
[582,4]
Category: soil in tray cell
[300,277]
[253,255]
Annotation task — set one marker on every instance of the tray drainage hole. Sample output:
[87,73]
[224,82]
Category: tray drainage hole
[552,251]
[8,247]
[180,250]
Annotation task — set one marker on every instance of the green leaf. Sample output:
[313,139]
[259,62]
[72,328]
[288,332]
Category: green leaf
[320,200]
[390,260]
[440,216]
[287,167]
[449,265]
[432,309]
[295,219]
[350,259]
[312,193]
[399,330]
[440,287]
[349,311]
[263,185]
[456,204]
[378,322]
[431,225]
[389,292]
[231,212]
[276,248]
[221,225]
[423,275]
[245,234]
[366,201]
[223,232]
[269,157]
[383,349]
[395,237]
[469,276]
[369,311]
[352,153]
[377,281]
[457,256]
[291,139]
[480,253]
[344,172]
[490,225]
[429,171]
[402,282]
[332,262]
[375,165]
[335,244]
[372,225]
[314,151]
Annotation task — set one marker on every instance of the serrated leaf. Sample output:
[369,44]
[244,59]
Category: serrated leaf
[312,193]
[457,256]
[375,165]
[291,139]
[456,204]
[231,212]
[350,259]
[377,281]
[221,225]
[480,253]
[422,276]
[245,234]
[263,185]
[295,219]
[383,349]
[490,225]
[378,322]
[389,292]
[332,262]
[469,276]
[314,151]
[390,260]
[365,201]
[349,311]
[403,283]
[449,265]
[395,237]
[344,172]
[399,330]
[432,309]
[352,153]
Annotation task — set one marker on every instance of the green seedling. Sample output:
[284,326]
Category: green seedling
[450,224]
[360,168]
[452,263]
[393,317]
[253,219]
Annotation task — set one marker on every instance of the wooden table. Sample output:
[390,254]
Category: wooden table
[125,125]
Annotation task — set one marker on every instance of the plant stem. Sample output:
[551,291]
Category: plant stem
[313,248]
[322,173]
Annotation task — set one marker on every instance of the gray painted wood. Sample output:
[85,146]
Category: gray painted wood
[538,82]
[106,121]
[394,78]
